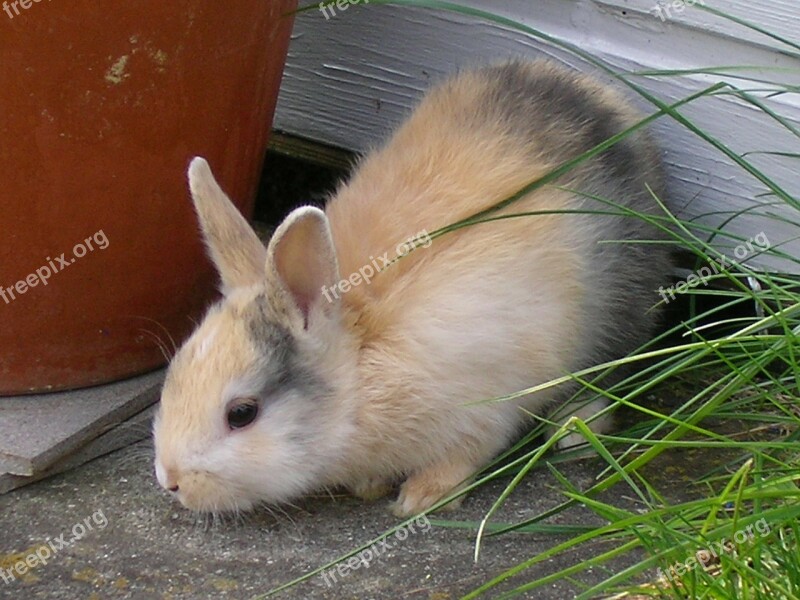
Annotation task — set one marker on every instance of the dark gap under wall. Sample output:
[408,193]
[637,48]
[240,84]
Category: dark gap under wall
[289,179]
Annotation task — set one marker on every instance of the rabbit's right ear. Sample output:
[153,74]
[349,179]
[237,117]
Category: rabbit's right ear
[235,249]
[301,262]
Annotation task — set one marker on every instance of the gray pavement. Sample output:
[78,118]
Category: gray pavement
[135,542]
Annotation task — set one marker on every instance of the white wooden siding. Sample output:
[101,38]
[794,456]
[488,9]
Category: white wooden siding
[350,79]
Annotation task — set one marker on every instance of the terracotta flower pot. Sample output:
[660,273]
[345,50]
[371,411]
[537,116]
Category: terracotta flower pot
[102,105]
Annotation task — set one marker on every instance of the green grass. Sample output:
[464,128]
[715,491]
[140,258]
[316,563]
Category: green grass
[739,383]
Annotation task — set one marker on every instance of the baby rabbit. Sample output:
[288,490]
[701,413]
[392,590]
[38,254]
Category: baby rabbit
[309,374]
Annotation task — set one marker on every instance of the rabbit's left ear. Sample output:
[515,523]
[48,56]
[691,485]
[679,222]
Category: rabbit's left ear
[301,261]
[235,249]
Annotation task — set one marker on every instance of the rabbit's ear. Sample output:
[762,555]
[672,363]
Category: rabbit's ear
[235,248]
[301,260]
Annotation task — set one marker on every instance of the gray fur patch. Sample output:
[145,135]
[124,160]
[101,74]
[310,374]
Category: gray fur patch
[287,368]
[564,116]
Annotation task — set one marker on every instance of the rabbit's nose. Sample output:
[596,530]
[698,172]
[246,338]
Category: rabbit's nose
[170,482]
[167,478]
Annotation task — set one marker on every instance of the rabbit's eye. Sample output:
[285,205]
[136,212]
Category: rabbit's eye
[242,414]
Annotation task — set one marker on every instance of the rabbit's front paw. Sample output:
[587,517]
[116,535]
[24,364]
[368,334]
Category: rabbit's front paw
[424,489]
[586,412]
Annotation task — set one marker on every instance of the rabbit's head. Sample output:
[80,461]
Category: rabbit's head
[250,409]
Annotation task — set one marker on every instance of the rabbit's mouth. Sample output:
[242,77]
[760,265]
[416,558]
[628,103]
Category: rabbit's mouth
[201,491]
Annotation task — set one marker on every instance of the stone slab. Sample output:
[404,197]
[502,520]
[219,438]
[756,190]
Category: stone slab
[131,431]
[39,430]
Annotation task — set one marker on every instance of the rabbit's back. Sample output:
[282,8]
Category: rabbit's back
[473,141]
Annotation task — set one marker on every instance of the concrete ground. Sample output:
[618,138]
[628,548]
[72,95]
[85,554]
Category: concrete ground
[135,542]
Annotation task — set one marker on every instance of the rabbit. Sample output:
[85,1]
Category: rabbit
[309,375]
